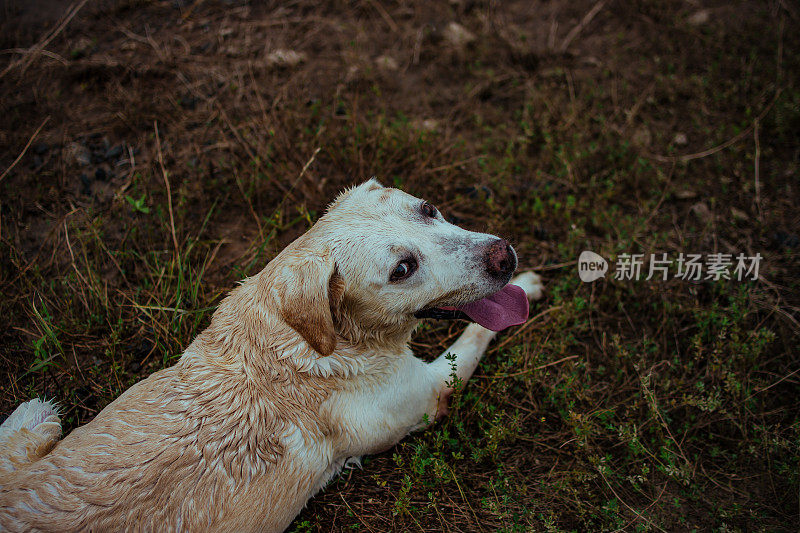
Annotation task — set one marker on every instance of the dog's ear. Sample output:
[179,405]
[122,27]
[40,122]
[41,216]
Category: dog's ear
[311,298]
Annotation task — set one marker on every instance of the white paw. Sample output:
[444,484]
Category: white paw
[353,462]
[531,283]
[34,415]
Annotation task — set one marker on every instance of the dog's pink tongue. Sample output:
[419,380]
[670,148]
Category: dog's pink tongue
[507,307]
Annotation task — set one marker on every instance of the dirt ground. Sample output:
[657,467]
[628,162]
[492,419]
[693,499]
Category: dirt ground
[152,153]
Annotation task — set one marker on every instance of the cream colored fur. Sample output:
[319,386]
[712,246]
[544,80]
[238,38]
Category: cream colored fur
[304,365]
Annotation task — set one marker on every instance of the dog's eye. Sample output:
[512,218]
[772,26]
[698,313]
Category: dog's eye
[428,210]
[404,269]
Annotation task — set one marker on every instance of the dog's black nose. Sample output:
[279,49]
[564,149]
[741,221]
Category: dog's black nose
[500,259]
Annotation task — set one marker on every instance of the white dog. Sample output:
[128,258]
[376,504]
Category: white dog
[304,365]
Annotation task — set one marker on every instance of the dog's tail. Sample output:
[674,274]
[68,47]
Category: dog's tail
[29,434]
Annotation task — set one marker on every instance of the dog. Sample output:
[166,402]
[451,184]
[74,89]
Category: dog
[304,366]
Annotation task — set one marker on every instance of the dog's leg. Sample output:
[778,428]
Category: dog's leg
[470,346]
[29,433]
[417,393]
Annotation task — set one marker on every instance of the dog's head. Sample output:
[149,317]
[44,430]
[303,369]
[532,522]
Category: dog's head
[379,259]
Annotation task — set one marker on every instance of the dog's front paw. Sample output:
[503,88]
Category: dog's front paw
[34,415]
[531,283]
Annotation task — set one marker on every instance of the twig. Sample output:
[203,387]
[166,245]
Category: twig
[145,40]
[297,180]
[639,103]
[551,38]
[385,15]
[554,267]
[417,47]
[634,511]
[191,8]
[660,200]
[131,173]
[784,378]
[77,365]
[581,25]
[110,255]
[22,153]
[236,134]
[556,362]
[653,401]
[171,309]
[169,196]
[525,325]
[779,54]
[756,165]
[78,272]
[253,157]
[355,513]
[714,150]
[249,204]
[521,372]
[31,52]
[153,322]
[464,497]
[453,165]
[663,488]
[305,167]
[47,53]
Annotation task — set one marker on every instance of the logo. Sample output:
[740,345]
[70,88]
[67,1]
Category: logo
[688,267]
[591,266]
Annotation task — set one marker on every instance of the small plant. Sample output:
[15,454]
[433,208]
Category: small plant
[47,347]
[138,204]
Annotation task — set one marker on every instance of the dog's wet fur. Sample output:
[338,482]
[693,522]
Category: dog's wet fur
[303,366]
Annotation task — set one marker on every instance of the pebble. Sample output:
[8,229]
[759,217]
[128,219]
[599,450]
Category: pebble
[738,214]
[699,17]
[387,63]
[81,154]
[685,194]
[701,211]
[458,35]
[428,124]
[285,58]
